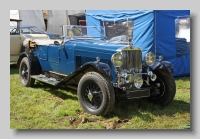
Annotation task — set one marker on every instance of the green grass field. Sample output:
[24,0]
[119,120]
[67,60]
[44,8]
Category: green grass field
[48,107]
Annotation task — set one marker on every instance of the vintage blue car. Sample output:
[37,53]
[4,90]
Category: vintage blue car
[103,71]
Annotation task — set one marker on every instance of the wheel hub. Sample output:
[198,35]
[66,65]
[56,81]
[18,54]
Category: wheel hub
[23,72]
[90,96]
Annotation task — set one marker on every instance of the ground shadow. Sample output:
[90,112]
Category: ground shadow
[183,78]
[56,90]
[143,109]
[13,69]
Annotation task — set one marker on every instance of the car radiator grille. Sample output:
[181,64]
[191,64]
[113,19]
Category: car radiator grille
[132,60]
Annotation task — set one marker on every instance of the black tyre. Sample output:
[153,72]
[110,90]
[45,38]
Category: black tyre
[24,72]
[167,88]
[96,94]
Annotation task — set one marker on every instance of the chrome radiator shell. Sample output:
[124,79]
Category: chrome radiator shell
[132,59]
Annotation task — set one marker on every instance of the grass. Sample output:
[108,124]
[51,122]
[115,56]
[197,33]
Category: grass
[48,107]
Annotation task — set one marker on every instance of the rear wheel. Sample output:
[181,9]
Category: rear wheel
[96,94]
[167,89]
[24,72]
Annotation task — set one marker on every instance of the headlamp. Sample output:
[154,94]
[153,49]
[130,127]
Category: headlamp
[117,59]
[150,58]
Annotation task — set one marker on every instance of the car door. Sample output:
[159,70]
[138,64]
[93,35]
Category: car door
[15,46]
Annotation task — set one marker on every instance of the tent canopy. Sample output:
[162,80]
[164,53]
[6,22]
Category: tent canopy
[143,24]
[154,30]
[173,49]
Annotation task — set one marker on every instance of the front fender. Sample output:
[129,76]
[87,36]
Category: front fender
[21,56]
[33,61]
[101,67]
[164,65]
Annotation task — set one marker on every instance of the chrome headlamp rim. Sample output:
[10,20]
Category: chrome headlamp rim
[150,58]
[117,56]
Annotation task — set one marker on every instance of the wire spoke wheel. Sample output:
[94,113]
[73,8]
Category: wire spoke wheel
[167,88]
[96,94]
[161,88]
[24,72]
[93,95]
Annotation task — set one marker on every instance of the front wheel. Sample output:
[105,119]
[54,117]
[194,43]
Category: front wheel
[167,89]
[96,94]
[24,72]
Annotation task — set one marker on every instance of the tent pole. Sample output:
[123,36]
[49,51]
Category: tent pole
[67,16]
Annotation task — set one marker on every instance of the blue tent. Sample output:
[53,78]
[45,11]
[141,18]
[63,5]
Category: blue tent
[154,30]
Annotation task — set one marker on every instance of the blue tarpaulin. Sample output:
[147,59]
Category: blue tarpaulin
[154,30]
[174,50]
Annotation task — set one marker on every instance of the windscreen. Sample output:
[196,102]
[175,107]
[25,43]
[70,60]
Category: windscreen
[74,31]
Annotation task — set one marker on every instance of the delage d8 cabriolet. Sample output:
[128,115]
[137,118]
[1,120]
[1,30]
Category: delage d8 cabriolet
[103,71]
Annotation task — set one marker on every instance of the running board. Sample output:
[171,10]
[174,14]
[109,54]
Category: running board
[45,79]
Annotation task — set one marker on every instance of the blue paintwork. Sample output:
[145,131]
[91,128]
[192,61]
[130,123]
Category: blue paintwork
[103,68]
[165,65]
[61,58]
